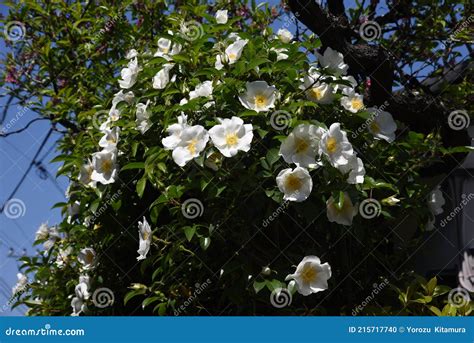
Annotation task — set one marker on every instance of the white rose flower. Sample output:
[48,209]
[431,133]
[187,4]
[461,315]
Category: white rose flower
[110,139]
[204,89]
[232,53]
[355,170]
[145,237]
[85,174]
[346,89]
[87,257]
[302,145]
[296,184]
[131,54]
[231,135]
[353,102]
[333,61]
[175,131]
[382,126]
[335,146]
[166,48]
[317,90]
[82,294]
[259,96]
[21,284]
[311,276]
[105,166]
[48,235]
[143,117]
[221,17]
[193,140]
[162,78]
[129,74]
[63,257]
[284,35]
[281,53]
[121,96]
[343,215]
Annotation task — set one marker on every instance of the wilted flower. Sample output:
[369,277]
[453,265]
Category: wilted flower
[145,237]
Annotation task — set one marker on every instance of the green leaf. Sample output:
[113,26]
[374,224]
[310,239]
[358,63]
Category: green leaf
[132,294]
[258,286]
[189,232]
[133,165]
[141,184]
[205,242]
[435,310]
[430,286]
[272,156]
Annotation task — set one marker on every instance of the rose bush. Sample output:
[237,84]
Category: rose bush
[239,162]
